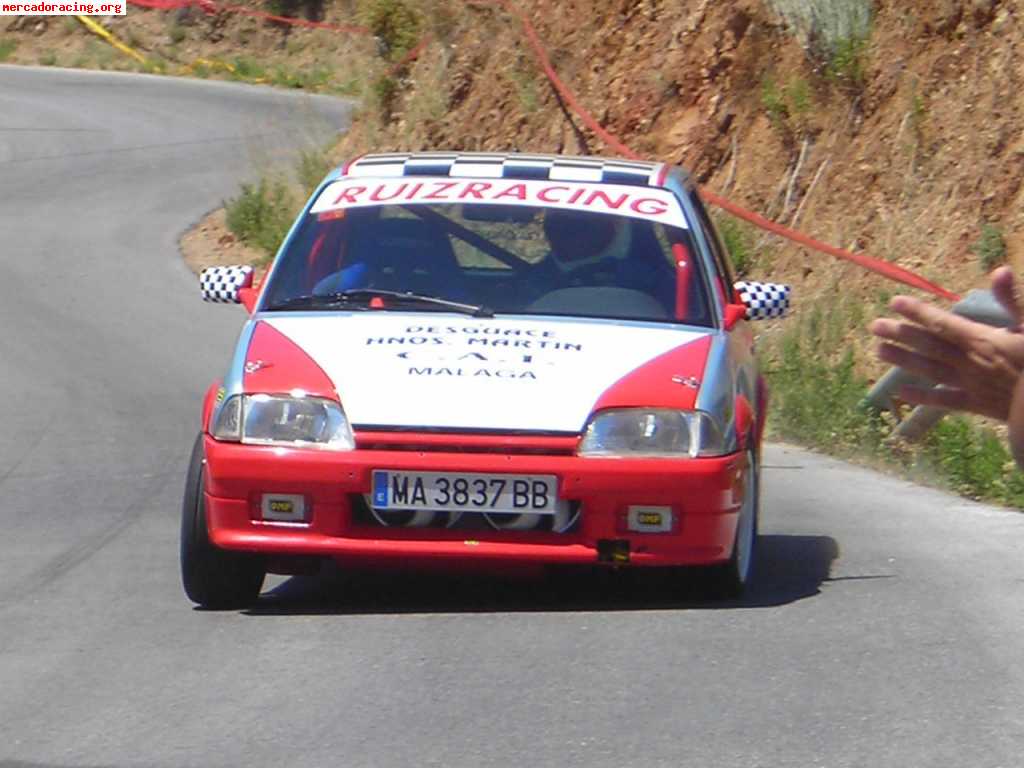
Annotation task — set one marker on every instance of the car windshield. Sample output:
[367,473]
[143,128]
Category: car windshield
[491,259]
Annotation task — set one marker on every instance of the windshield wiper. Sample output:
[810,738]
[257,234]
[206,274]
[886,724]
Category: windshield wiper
[359,298]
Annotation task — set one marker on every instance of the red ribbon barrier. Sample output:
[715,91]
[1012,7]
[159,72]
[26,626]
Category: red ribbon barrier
[878,266]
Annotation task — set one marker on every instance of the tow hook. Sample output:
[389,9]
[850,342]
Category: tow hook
[614,551]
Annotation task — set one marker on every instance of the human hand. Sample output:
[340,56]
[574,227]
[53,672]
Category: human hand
[977,366]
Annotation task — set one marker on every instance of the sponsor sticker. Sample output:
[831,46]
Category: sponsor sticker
[635,202]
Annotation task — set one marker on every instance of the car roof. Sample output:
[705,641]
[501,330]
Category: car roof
[508,165]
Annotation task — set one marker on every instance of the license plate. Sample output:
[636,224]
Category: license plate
[463,492]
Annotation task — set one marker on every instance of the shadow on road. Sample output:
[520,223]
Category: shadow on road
[790,568]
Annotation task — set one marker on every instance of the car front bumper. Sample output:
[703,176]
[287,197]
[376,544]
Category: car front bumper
[705,496]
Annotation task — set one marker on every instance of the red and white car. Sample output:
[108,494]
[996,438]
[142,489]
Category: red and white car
[477,359]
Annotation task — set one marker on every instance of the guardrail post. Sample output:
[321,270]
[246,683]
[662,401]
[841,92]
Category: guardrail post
[979,305]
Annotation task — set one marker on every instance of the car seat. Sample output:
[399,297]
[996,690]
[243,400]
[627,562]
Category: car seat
[399,254]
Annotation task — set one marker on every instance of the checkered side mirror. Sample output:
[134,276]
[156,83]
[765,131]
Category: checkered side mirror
[221,284]
[764,301]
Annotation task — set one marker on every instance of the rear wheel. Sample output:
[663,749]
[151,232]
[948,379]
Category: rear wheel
[212,577]
[731,578]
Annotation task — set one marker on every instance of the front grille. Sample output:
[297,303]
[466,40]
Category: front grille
[430,441]
[364,516]
[517,450]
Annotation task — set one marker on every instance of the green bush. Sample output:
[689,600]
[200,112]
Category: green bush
[285,79]
[773,101]
[524,81]
[846,61]
[385,91]
[247,69]
[738,240]
[971,459]
[316,79]
[990,247]
[7,48]
[818,402]
[311,168]
[788,106]
[798,95]
[394,23]
[262,214]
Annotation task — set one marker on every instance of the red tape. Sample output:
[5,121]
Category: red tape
[878,266]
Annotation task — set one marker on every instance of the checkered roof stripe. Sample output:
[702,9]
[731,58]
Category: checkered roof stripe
[481,165]
[764,300]
[221,284]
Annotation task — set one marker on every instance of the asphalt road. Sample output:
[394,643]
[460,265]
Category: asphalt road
[886,630]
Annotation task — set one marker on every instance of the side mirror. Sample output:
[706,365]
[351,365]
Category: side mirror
[225,285]
[764,301]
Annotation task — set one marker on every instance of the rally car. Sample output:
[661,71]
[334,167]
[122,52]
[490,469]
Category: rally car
[480,359]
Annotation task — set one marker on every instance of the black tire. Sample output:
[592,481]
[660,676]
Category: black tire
[212,577]
[730,579]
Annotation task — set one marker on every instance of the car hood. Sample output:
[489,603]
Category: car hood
[441,371]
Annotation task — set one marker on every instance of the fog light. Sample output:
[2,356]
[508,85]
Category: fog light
[283,507]
[647,519]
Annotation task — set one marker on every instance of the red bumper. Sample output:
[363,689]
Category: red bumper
[705,495]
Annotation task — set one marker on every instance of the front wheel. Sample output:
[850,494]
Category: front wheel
[730,579]
[212,577]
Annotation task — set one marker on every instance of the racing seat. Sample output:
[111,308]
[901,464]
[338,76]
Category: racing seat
[407,255]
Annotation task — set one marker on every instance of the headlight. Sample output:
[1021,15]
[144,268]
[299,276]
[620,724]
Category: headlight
[652,432]
[301,422]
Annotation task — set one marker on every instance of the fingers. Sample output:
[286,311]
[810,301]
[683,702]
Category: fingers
[921,365]
[1003,290]
[917,339]
[941,323]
